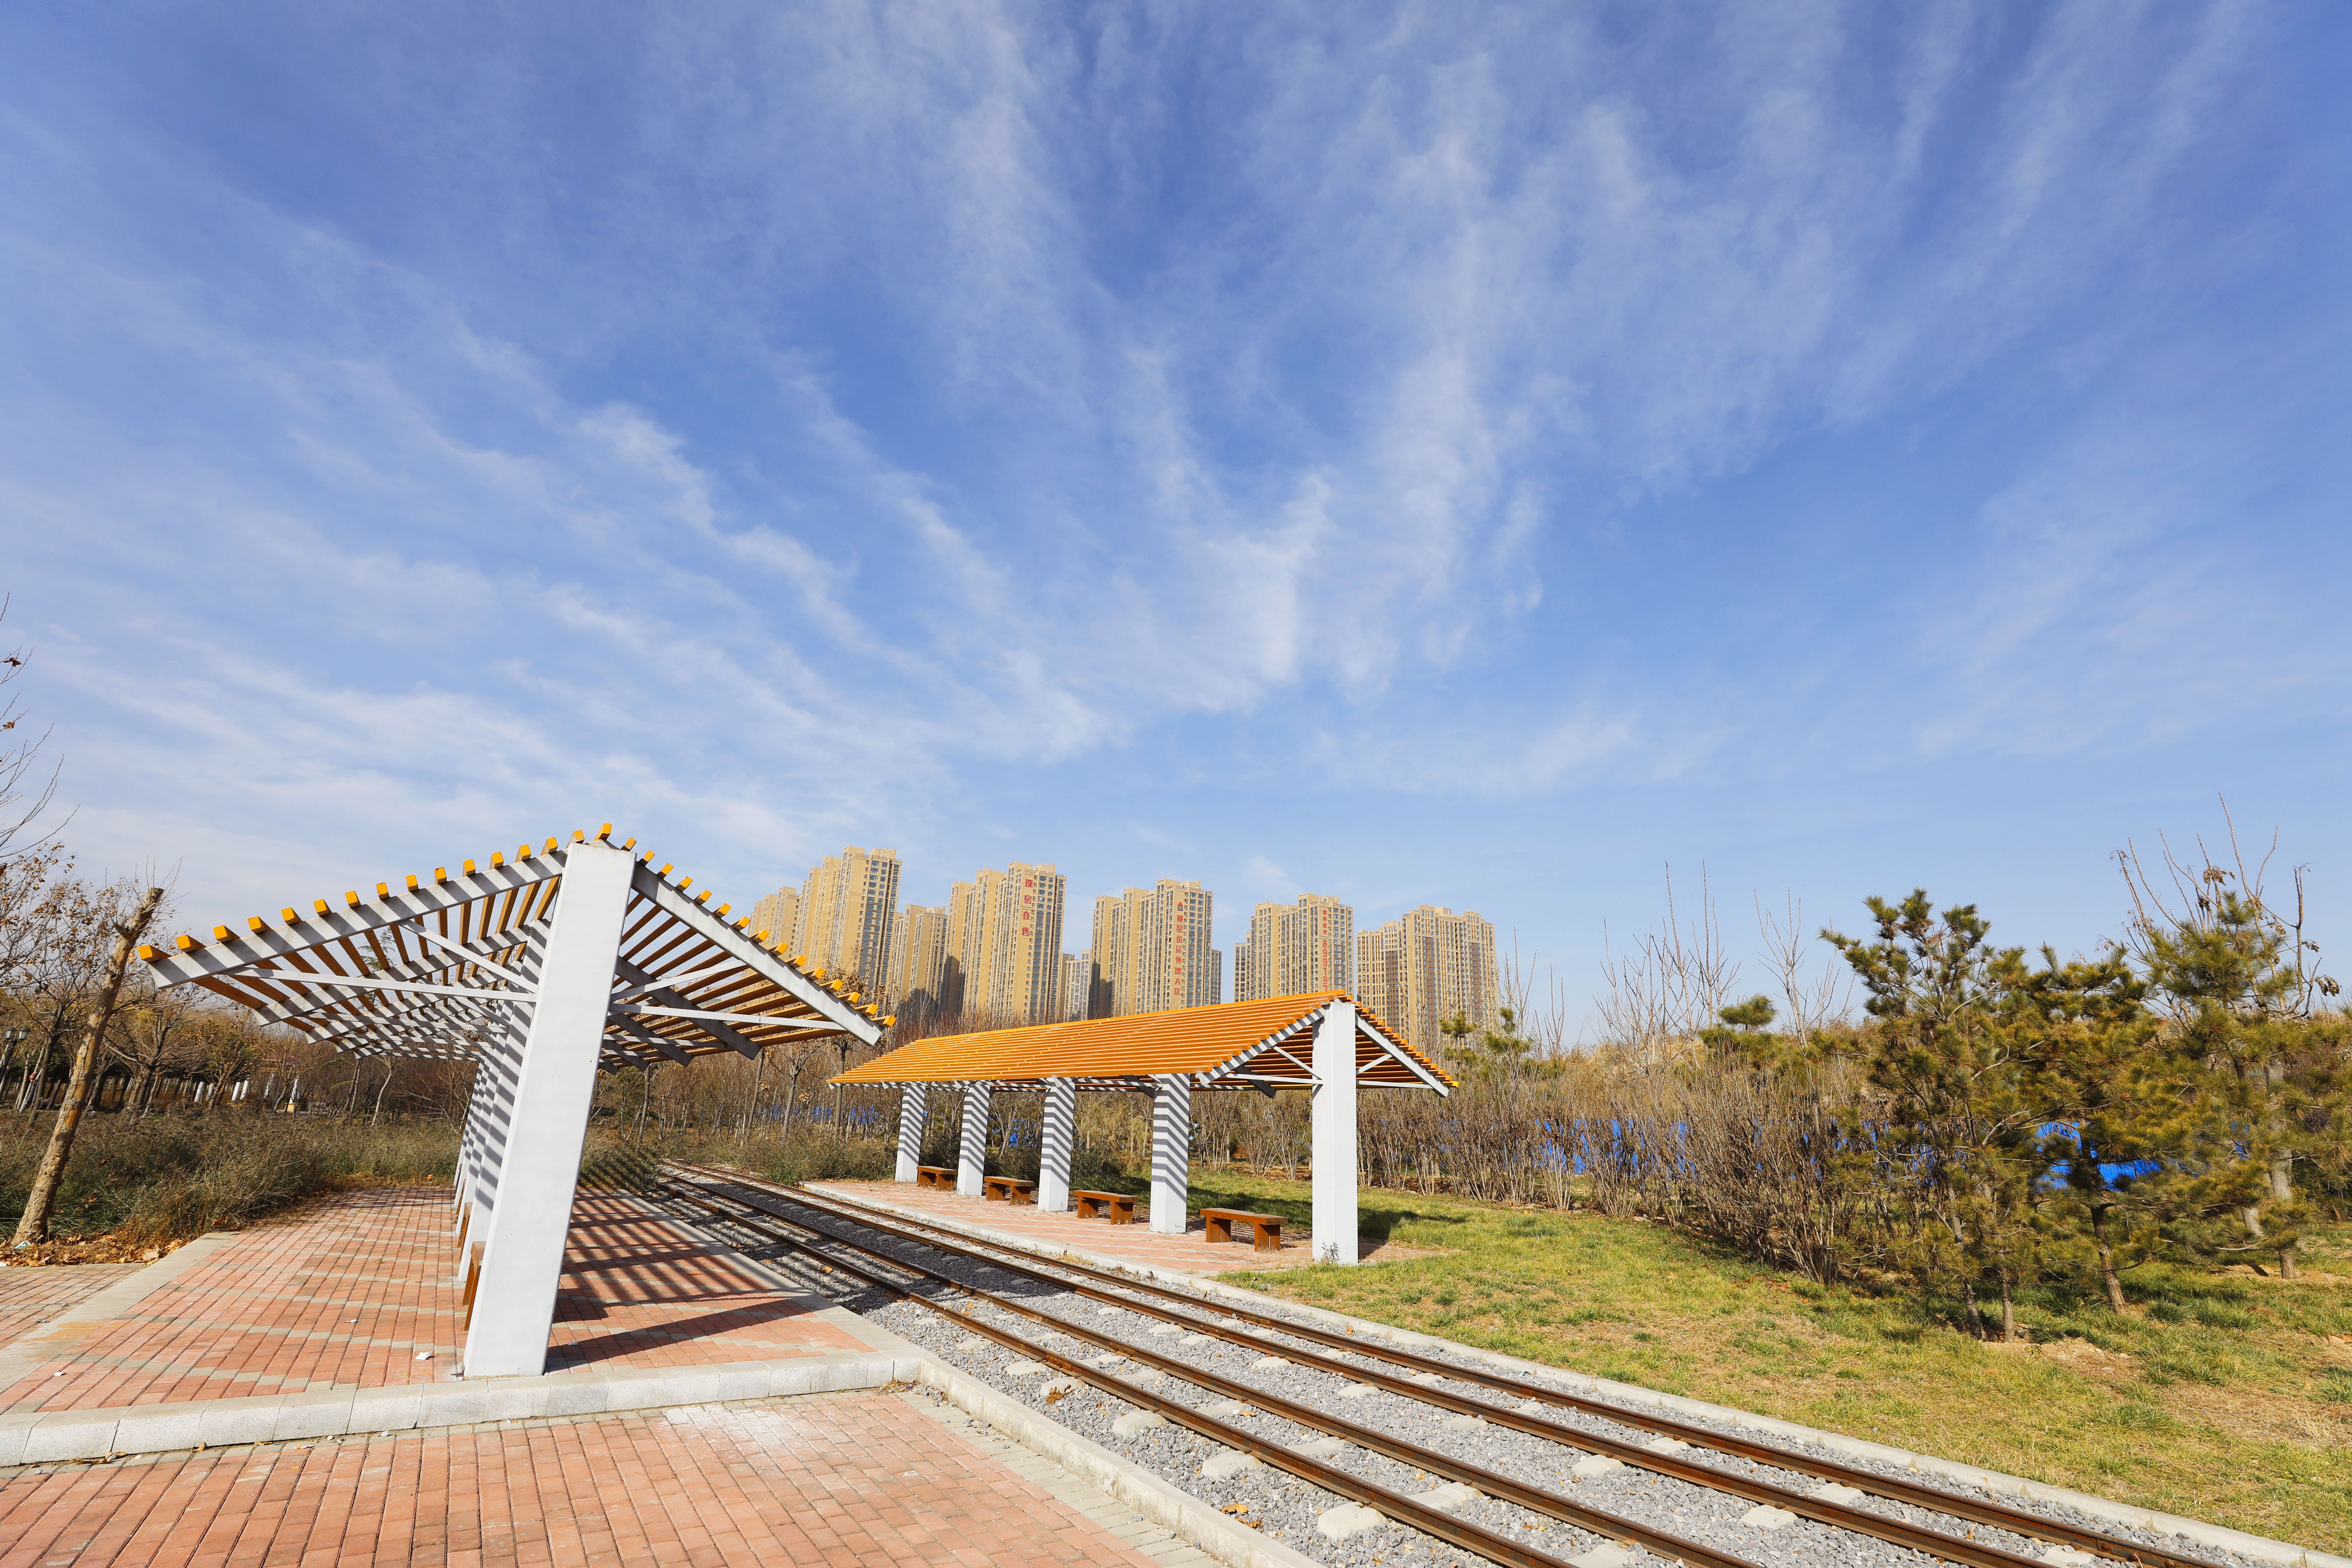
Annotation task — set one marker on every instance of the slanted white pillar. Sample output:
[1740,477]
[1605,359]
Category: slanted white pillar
[488,1121]
[522,1260]
[912,1099]
[1171,1152]
[1055,1140]
[1331,1126]
[971,1164]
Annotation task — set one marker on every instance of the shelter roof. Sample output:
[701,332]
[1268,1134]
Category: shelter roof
[435,966]
[1242,1044]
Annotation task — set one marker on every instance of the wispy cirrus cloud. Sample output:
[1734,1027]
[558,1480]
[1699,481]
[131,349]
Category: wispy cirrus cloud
[780,418]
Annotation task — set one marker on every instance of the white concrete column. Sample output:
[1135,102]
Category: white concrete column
[488,1121]
[1055,1140]
[912,1099]
[1331,1126]
[1171,1152]
[522,1262]
[971,1164]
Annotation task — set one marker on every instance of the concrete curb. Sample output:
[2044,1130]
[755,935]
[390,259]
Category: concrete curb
[44,1437]
[2260,1549]
[46,1341]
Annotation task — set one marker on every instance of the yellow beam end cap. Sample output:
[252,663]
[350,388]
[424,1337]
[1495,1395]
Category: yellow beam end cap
[187,943]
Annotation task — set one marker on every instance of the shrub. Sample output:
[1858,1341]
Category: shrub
[166,1178]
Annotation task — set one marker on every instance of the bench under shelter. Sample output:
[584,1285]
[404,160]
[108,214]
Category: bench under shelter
[1322,1042]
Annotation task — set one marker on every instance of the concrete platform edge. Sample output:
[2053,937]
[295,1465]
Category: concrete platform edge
[1156,1500]
[2260,1549]
[31,1437]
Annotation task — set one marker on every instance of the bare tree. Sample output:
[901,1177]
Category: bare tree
[159,1033]
[1673,982]
[24,795]
[1823,997]
[34,1226]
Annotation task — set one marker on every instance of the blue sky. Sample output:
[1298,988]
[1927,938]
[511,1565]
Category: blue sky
[1415,453]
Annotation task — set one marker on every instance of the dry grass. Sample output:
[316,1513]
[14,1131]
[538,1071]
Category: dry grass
[135,1187]
[2223,1398]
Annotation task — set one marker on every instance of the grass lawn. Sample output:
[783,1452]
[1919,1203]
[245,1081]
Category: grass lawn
[2224,1397]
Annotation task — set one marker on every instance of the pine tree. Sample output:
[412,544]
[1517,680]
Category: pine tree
[1963,1127]
[2124,1107]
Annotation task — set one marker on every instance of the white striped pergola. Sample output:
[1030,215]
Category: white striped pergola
[542,969]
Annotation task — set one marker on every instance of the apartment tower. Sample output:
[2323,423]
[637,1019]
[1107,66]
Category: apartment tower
[919,961]
[779,914]
[1294,949]
[1151,950]
[848,910]
[1002,947]
[1424,967]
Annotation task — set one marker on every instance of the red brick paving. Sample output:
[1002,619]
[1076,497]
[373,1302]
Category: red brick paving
[28,1296]
[1192,1252]
[835,1479]
[346,1291]
[636,1293]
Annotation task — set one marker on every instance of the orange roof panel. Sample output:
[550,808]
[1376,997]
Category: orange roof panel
[1192,1041]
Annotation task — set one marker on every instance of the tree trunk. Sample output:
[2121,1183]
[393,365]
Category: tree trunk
[1976,1319]
[2107,1263]
[377,1114]
[2286,1264]
[35,1226]
[2007,1311]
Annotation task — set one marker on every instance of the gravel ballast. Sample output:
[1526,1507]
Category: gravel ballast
[1330,1528]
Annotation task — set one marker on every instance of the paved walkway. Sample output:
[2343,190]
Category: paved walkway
[832,1479]
[355,1291]
[32,1296]
[1191,1253]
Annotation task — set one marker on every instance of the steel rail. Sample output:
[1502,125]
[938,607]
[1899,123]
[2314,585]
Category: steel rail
[1396,1505]
[1915,1537]
[1976,1511]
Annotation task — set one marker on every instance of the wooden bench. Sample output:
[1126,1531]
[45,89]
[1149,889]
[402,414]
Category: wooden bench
[1268,1226]
[1116,1207]
[935,1176]
[1008,1189]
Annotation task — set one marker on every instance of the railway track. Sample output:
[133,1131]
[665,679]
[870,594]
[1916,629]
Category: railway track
[761,1208]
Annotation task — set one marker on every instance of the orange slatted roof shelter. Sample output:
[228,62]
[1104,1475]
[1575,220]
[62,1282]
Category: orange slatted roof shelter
[1263,1045]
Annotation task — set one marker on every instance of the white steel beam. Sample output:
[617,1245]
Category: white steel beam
[912,1103]
[971,1164]
[1172,1153]
[1331,1134]
[514,1297]
[1055,1135]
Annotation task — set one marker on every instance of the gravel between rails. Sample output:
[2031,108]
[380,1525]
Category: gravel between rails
[1287,1507]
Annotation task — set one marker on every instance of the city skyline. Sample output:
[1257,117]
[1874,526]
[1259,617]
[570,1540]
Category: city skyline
[992,951]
